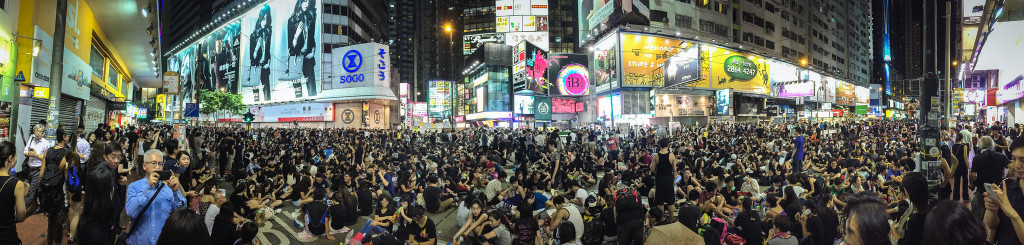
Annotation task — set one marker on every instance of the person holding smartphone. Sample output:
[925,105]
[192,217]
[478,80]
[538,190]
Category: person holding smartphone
[158,184]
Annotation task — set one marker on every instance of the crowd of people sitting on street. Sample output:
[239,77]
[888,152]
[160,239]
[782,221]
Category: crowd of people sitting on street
[866,182]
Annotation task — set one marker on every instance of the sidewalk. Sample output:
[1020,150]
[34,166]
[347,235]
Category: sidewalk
[33,230]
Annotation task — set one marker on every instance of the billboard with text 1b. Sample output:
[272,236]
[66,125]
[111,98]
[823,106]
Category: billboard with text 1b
[570,73]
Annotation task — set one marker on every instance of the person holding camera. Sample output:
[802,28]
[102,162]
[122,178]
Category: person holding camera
[151,200]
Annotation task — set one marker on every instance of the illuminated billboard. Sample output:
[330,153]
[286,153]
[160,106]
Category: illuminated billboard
[439,95]
[471,42]
[570,74]
[605,69]
[360,65]
[643,55]
[304,112]
[863,94]
[737,70]
[800,89]
[723,102]
[281,52]
[844,93]
[683,67]
[529,69]
[563,105]
[523,104]
[217,60]
[538,38]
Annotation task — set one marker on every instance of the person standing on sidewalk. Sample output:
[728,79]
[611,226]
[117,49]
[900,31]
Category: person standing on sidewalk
[34,150]
[53,199]
[12,197]
[169,198]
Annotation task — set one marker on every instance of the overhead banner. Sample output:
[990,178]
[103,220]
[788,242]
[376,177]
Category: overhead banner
[529,69]
[439,93]
[570,74]
[644,55]
[305,112]
[606,64]
[360,65]
[563,105]
[739,71]
[281,52]
[542,106]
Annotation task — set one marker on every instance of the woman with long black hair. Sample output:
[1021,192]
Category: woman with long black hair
[259,50]
[96,222]
[12,196]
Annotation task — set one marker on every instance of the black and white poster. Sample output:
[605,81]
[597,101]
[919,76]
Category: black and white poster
[280,54]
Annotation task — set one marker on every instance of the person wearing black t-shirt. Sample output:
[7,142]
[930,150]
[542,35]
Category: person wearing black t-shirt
[629,217]
[338,214]
[434,197]
[689,212]
[421,230]
[317,211]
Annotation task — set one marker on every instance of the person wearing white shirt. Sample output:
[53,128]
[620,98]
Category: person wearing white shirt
[35,149]
[219,198]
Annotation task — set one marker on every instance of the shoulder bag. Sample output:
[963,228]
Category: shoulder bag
[122,239]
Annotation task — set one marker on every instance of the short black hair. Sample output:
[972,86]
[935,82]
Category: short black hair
[783,223]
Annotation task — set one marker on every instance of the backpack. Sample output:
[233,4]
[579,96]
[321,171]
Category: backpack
[74,180]
[628,195]
[593,231]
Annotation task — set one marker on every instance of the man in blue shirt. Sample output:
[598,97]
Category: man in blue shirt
[152,221]
[798,152]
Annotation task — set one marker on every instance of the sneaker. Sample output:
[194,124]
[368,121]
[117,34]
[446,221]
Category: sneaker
[346,229]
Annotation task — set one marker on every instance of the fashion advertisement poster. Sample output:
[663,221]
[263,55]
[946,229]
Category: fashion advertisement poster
[280,54]
[217,60]
[184,64]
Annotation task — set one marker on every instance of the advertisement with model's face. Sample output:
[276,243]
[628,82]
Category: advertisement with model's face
[217,60]
[184,64]
[530,68]
[280,57]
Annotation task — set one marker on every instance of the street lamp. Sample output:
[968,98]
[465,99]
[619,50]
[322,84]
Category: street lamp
[803,62]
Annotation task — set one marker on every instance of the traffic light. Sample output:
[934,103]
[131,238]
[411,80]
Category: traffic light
[248,117]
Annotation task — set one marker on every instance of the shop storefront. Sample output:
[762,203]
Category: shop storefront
[682,109]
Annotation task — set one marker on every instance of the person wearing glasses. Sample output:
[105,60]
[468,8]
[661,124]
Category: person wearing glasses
[169,198]
[35,149]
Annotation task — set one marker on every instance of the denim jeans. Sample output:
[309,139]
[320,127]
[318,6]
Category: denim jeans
[33,187]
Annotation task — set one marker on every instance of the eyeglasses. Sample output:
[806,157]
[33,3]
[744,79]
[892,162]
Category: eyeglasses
[153,162]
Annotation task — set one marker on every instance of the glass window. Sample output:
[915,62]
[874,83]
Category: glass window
[112,76]
[95,61]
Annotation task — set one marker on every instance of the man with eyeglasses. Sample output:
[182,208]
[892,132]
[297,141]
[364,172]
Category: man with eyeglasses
[139,192]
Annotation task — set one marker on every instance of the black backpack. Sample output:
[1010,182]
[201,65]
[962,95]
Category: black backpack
[593,231]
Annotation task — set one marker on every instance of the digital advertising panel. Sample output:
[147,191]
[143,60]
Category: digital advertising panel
[530,69]
[800,89]
[523,104]
[683,67]
[471,42]
[305,112]
[281,52]
[570,74]
[844,93]
[439,94]
[216,66]
[863,94]
[360,65]
[643,56]
[739,71]
[563,105]
[605,69]
[723,102]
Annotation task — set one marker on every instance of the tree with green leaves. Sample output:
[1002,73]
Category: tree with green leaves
[220,104]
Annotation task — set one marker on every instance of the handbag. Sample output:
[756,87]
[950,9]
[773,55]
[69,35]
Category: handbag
[122,239]
[23,174]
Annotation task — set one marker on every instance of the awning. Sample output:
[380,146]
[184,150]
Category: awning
[357,93]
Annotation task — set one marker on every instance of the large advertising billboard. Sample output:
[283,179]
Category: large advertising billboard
[643,55]
[304,112]
[606,75]
[683,67]
[799,89]
[281,51]
[570,74]
[538,38]
[863,94]
[216,65]
[739,71]
[529,69]
[677,105]
[471,42]
[439,95]
[723,102]
[844,93]
[184,64]
[523,104]
[360,65]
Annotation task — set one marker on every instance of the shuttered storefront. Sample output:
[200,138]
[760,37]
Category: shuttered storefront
[95,113]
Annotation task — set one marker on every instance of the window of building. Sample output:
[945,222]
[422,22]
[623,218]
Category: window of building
[707,26]
[721,30]
[112,76]
[747,17]
[684,21]
[3,5]
[770,7]
[721,8]
[748,37]
[96,60]
[659,16]
[684,1]
[769,26]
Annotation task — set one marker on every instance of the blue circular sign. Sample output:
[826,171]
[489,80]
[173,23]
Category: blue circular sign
[352,61]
